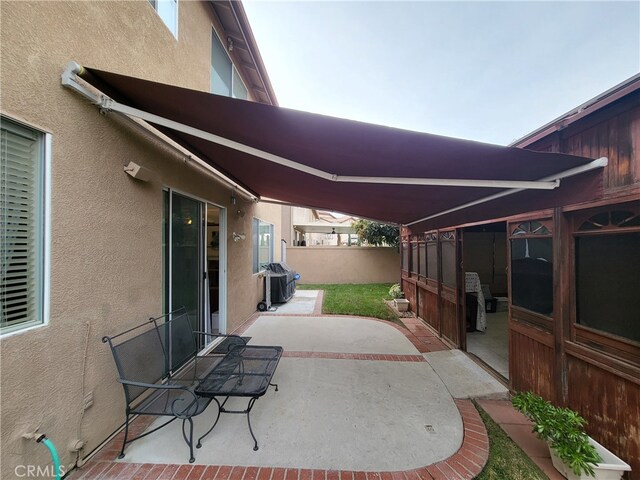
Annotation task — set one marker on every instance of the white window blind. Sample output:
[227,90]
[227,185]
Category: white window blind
[21,219]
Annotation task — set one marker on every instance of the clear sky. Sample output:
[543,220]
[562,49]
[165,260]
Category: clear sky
[486,71]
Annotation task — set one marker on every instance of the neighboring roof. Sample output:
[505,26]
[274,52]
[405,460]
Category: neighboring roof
[333,217]
[319,227]
[277,153]
[234,20]
[606,98]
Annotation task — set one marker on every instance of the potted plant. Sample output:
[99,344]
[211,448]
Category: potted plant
[401,303]
[573,453]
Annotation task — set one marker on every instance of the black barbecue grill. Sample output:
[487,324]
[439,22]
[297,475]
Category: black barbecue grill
[280,284]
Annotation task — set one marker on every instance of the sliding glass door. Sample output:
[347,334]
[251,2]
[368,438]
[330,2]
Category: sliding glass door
[186,255]
[194,263]
[183,263]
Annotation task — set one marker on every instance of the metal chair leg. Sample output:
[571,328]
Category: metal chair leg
[190,439]
[126,434]
[274,385]
[199,444]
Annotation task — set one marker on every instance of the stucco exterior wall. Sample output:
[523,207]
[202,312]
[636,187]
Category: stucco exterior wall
[106,228]
[345,264]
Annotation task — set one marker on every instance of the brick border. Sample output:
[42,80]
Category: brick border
[466,463]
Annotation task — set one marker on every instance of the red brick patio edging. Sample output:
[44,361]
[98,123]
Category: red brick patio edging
[466,463]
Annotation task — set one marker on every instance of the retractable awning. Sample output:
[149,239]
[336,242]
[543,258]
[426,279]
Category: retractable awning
[409,178]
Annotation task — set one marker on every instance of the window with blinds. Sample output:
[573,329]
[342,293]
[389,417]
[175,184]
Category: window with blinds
[21,226]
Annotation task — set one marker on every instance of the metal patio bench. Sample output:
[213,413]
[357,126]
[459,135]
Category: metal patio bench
[159,368]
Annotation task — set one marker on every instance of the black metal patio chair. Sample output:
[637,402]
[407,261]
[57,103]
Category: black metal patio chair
[159,366]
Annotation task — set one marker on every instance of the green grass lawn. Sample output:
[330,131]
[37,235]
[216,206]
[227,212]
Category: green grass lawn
[355,299]
[506,459]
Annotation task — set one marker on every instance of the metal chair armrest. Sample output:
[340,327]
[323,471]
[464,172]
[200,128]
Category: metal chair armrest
[220,335]
[159,386]
[184,412]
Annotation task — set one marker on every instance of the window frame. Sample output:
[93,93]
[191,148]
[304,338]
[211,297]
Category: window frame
[174,30]
[593,339]
[255,243]
[525,229]
[235,72]
[44,255]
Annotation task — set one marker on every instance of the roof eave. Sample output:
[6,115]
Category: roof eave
[617,92]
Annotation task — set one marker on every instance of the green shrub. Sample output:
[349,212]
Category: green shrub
[562,428]
[395,291]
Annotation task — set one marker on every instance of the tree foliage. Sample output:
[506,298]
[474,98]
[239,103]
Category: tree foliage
[376,233]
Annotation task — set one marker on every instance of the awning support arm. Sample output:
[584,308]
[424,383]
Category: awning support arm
[107,104]
[69,80]
[599,163]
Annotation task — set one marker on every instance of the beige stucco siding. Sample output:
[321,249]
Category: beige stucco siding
[106,228]
[345,264]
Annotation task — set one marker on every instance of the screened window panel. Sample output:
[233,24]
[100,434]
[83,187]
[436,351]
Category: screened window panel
[239,90]
[449,263]
[607,273]
[422,266]
[21,217]
[404,260]
[414,258]
[532,274]
[432,261]
[221,68]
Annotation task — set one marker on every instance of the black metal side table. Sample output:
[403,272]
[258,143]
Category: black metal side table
[246,371]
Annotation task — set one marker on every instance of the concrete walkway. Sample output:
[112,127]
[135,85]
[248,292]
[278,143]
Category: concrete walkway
[329,334]
[359,399]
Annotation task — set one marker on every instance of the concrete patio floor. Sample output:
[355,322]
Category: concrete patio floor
[329,413]
[359,399]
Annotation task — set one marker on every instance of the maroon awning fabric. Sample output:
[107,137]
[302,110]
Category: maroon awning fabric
[346,147]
